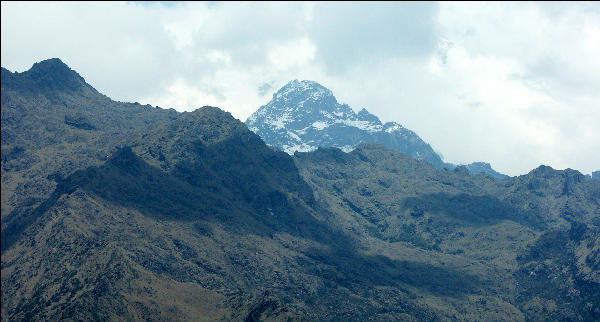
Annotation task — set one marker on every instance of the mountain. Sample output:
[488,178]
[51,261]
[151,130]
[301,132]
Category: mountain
[48,76]
[150,214]
[304,115]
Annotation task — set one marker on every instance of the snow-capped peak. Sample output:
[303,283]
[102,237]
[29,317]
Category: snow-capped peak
[304,115]
[309,89]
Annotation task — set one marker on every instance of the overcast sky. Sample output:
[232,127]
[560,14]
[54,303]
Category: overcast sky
[513,84]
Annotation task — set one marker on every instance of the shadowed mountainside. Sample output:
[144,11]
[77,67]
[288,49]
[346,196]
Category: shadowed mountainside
[493,229]
[53,123]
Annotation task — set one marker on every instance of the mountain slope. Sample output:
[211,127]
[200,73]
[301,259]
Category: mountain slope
[208,210]
[213,225]
[54,123]
[512,235]
[197,219]
[149,214]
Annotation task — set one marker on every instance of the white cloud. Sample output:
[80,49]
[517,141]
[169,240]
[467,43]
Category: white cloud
[532,71]
[514,84]
[181,96]
[297,52]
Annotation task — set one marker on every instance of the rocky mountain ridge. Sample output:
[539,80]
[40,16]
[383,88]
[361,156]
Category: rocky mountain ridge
[150,214]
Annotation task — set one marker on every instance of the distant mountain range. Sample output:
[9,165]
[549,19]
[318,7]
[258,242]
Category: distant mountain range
[122,211]
[304,115]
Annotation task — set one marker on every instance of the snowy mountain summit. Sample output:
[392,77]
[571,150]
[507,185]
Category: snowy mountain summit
[304,115]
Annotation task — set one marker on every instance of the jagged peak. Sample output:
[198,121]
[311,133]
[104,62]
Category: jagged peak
[207,109]
[543,170]
[480,164]
[51,63]
[208,124]
[302,84]
[55,67]
[392,127]
[48,75]
[304,88]
[364,115]
[296,96]
[304,115]
[208,116]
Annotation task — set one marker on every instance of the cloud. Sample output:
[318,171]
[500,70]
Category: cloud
[513,84]
[292,53]
[265,88]
[359,32]
[533,69]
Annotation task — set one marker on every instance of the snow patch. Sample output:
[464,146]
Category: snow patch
[363,125]
[347,148]
[279,123]
[316,95]
[320,125]
[303,131]
[327,114]
[290,149]
[294,136]
[394,128]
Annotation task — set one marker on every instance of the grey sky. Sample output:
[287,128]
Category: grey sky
[513,84]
